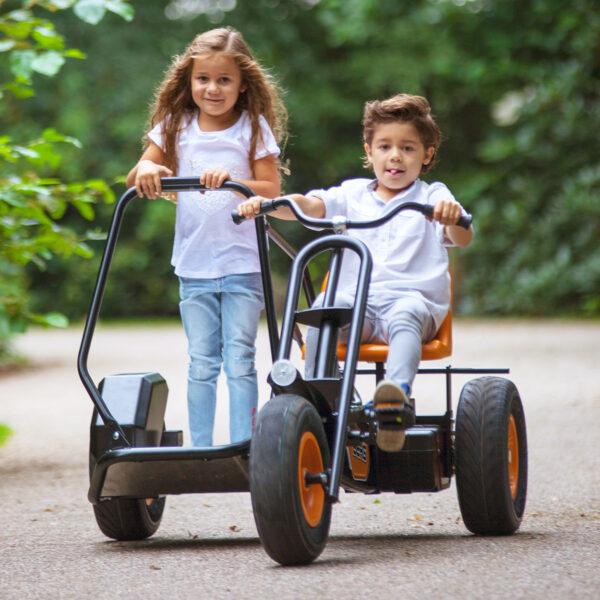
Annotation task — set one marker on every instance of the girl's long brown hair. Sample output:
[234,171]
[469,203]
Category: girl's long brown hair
[173,102]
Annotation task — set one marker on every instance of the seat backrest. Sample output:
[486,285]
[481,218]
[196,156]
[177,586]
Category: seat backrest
[441,345]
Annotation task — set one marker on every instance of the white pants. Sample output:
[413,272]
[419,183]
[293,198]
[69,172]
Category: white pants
[403,324]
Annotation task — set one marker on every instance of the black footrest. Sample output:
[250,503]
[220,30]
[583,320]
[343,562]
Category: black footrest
[315,316]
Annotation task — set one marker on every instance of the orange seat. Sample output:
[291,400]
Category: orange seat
[439,347]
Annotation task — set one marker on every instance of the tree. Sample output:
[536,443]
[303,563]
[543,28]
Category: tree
[32,199]
[514,85]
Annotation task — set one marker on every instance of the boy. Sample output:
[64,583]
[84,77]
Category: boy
[409,295]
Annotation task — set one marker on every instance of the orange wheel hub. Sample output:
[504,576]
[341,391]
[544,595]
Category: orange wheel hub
[312,497]
[513,457]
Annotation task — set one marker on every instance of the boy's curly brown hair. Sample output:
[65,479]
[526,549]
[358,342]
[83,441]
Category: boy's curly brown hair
[404,108]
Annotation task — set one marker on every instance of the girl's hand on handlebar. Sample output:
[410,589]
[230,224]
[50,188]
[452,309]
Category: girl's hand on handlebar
[447,212]
[147,178]
[250,208]
[214,178]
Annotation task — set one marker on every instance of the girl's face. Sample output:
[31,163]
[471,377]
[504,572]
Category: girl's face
[216,83]
[397,155]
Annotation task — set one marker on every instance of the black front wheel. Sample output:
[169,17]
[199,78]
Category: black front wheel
[491,456]
[292,517]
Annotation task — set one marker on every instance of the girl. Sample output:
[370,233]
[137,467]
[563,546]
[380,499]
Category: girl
[218,114]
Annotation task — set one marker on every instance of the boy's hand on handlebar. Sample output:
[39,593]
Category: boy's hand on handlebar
[250,208]
[447,212]
[214,178]
[147,178]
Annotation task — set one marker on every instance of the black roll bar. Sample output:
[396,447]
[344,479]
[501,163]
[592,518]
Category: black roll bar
[168,184]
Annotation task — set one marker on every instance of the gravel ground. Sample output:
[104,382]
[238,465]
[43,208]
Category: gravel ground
[207,546]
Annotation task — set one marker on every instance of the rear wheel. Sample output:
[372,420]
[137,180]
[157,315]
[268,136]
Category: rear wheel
[491,456]
[129,518]
[292,517]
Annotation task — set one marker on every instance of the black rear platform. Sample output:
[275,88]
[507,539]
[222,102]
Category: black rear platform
[151,472]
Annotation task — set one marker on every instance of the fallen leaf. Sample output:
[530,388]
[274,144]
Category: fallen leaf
[376,501]
[234,528]
[418,517]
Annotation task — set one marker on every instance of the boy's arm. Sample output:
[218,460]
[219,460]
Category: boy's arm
[311,206]
[447,212]
[459,236]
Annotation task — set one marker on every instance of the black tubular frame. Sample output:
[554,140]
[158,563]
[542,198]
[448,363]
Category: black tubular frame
[325,361]
[168,184]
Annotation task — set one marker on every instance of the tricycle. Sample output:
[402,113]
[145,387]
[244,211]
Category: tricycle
[312,436]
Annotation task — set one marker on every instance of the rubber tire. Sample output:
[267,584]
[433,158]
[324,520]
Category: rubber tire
[285,534]
[481,456]
[127,519]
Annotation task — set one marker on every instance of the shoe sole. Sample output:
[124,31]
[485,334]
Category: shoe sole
[389,439]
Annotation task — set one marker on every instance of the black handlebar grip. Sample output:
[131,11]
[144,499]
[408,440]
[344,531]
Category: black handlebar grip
[465,221]
[236,217]
[265,207]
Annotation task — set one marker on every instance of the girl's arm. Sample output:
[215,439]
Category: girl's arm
[310,206]
[266,178]
[265,183]
[148,171]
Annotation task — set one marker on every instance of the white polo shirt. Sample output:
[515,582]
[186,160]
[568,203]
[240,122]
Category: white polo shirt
[208,244]
[409,254]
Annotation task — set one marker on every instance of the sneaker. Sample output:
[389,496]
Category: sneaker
[394,411]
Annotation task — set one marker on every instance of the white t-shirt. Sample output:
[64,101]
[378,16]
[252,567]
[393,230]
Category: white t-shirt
[409,254]
[208,244]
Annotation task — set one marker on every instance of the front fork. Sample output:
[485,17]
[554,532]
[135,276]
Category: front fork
[326,382]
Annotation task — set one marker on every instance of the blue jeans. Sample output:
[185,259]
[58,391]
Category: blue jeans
[220,318]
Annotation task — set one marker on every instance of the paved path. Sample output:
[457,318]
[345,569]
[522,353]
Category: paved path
[380,546]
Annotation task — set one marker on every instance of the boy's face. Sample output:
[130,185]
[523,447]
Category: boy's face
[397,155]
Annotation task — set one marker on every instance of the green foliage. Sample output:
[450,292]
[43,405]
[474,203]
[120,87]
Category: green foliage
[5,433]
[515,86]
[33,200]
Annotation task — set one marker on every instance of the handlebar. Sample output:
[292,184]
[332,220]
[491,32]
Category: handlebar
[172,184]
[270,205]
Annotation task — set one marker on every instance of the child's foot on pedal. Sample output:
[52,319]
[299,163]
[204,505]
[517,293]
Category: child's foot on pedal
[391,405]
